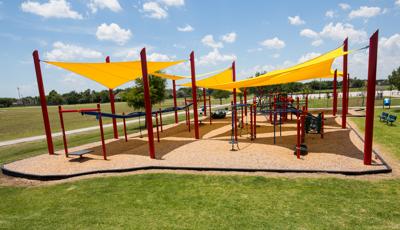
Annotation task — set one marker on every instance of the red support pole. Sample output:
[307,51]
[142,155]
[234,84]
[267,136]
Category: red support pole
[348,93]
[147,104]
[188,117]
[43,103]
[158,132]
[270,108]
[241,107]
[209,102]
[112,103]
[245,101]
[255,119]
[369,119]
[194,96]
[103,144]
[126,136]
[322,124]
[297,103]
[63,130]
[334,109]
[344,86]
[251,121]
[205,101]
[161,120]
[298,139]
[234,98]
[175,104]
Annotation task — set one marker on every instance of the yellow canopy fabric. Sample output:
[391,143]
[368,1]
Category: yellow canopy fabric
[214,80]
[114,74]
[169,76]
[319,67]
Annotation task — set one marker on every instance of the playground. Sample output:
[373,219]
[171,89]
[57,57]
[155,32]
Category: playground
[271,132]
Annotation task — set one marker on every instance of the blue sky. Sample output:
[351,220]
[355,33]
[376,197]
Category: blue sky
[258,34]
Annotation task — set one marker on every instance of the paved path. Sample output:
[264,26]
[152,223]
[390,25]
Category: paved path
[42,137]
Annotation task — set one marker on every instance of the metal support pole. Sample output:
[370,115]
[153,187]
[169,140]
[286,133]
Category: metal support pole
[251,121]
[43,103]
[209,102]
[334,109]
[255,119]
[175,104]
[369,119]
[63,130]
[348,93]
[161,124]
[205,101]
[147,104]
[126,136]
[194,96]
[344,86]
[298,139]
[158,132]
[103,144]
[245,100]
[234,98]
[112,103]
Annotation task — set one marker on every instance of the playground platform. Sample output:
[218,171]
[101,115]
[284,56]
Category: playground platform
[340,151]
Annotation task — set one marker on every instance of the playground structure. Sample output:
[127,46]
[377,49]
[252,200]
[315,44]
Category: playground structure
[257,119]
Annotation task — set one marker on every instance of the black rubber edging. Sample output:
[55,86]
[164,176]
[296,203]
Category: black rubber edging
[388,169]
[12,173]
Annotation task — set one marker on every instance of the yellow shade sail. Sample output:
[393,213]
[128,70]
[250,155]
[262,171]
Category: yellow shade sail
[169,76]
[113,74]
[214,80]
[319,67]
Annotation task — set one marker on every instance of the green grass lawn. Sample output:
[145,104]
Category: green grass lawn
[172,201]
[386,135]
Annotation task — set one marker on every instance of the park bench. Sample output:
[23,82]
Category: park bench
[80,153]
[390,119]
[383,116]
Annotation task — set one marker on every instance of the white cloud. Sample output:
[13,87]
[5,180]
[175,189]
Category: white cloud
[340,31]
[51,9]
[214,57]
[112,5]
[113,33]
[154,10]
[173,2]
[229,37]
[309,33]
[317,42]
[208,40]
[274,43]
[365,12]
[159,57]
[296,20]
[62,52]
[397,2]
[344,6]
[330,14]
[187,28]
[308,56]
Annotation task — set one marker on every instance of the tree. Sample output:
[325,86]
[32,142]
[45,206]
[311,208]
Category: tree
[71,97]
[6,102]
[54,98]
[394,78]
[221,94]
[135,95]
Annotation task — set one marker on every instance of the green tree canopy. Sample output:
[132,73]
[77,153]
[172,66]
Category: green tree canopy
[394,78]
[220,94]
[135,95]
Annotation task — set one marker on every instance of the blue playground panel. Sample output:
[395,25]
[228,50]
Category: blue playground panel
[386,101]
